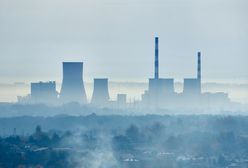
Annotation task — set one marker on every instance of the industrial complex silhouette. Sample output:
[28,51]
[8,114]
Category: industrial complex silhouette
[160,92]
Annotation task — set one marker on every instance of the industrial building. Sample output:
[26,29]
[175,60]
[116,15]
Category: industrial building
[158,87]
[72,89]
[192,86]
[43,92]
[161,94]
[121,100]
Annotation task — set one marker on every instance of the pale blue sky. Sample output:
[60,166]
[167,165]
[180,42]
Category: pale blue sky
[114,38]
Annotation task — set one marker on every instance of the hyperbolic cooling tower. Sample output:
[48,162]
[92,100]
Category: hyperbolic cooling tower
[72,89]
[100,95]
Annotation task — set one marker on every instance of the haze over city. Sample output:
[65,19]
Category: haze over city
[123,83]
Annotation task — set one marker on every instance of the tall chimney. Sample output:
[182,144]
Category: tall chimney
[199,66]
[156,75]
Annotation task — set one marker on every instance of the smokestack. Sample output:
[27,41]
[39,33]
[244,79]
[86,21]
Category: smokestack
[199,66]
[72,89]
[156,75]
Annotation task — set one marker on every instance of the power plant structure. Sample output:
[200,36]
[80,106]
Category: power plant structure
[43,92]
[121,100]
[156,63]
[192,86]
[158,87]
[160,93]
[100,95]
[72,89]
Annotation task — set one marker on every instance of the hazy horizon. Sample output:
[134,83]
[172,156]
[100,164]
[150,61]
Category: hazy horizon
[237,92]
[117,113]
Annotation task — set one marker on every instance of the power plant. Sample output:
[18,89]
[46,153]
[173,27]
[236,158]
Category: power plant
[193,85]
[121,100]
[156,63]
[72,89]
[160,93]
[43,92]
[158,87]
[100,95]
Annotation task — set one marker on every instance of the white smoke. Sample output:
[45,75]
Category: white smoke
[99,156]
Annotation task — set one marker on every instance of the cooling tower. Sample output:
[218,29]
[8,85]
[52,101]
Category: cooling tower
[100,95]
[72,89]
